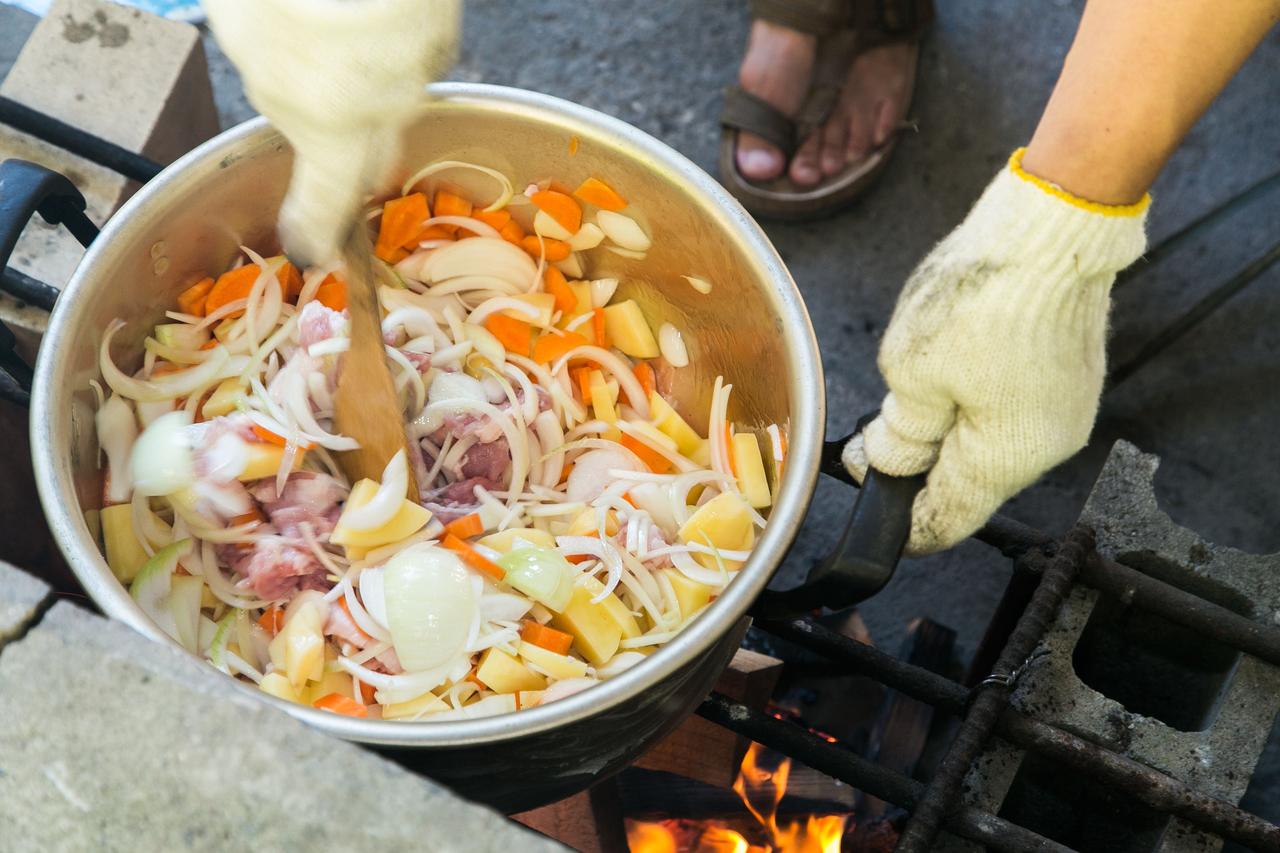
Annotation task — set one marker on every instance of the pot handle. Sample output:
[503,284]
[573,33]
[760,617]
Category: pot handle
[869,549]
[25,190]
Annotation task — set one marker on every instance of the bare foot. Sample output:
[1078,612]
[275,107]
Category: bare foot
[864,118]
[776,68]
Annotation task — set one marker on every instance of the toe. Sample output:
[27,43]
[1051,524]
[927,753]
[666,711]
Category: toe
[805,168]
[835,134]
[861,137]
[757,159]
[886,123]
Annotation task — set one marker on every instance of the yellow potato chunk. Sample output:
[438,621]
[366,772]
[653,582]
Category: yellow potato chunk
[409,519]
[264,461]
[602,403]
[427,703]
[528,699]
[723,522]
[224,399]
[506,540]
[618,612]
[298,649]
[502,673]
[276,684]
[693,596]
[556,666]
[544,302]
[584,524]
[629,331]
[125,554]
[745,450]
[595,631]
[330,682]
[668,420]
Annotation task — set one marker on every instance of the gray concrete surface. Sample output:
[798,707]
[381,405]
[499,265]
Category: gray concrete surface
[140,747]
[1207,406]
[21,599]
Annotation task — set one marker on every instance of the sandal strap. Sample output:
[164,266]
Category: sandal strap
[897,19]
[744,111]
[817,17]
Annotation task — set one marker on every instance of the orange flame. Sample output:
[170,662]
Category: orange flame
[761,790]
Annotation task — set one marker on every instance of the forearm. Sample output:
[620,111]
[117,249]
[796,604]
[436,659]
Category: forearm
[1138,76]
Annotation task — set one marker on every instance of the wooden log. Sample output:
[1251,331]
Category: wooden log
[590,821]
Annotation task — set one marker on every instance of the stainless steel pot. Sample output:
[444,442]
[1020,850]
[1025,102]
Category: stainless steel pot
[752,328]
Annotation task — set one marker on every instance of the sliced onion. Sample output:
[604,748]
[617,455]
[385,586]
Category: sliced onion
[671,342]
[161,462]
[624,231]
[168,387]
[588,237]
[570,266]
[602,290]
[699,284]
[431,605]
[373,595]
[619,664]
[546,225]
[504,194]
[386,502]
[630,254]
[117,430]
[626,379]
[590,475]
[470,223]
[502,303]
[515,437]
[565,688]
[480,256]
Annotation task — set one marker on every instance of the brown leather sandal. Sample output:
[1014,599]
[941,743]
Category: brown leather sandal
[844,29]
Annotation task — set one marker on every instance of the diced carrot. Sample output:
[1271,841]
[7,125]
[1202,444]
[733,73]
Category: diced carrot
[269,437]
[433,232]
[451,204]
[210,344]
[191,300]
[339,704]
[290,281]
[597,192]
[342,604]
[657,463]
[515,335]
[547,638]
[512,233]
[554,250]
[564,472]
[551,346]
[577,559]
[597,326]
[558,286]
[164,368]
[474,679]
[247,517]
[466,527]
[332,293]
[560,207]
[402,219]
[645,376]
[272,620]
[582,376]
[230,286]
[728,448]
[367,692]
[495,219]
[473,558]
[574,142]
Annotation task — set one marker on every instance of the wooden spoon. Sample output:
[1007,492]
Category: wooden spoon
[366,406]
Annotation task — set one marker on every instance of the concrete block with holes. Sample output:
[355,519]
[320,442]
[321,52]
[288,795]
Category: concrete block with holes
[1134,682]
[121,74]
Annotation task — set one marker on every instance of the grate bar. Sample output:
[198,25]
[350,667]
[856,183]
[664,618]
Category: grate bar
[992,696]
[79,142]
[984,828]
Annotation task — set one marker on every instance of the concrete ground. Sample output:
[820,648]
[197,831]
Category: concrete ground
[1204,406]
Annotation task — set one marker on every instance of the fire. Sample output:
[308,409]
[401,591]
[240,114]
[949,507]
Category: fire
[761,788]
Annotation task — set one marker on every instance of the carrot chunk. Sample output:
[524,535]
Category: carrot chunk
[657,463]
[512,233]
[597,192]
[597,326]
[269,437]
[339,704]
[558,286]
[560,207]
[238,284]
[272,619]
[554,250]
[495,219]
[645,376]
[515,335]
[466,527]
[332,293]
[290,281]
[551,346]
[547,638]
[451,204]
[473,558]
[191,300]
[402,219]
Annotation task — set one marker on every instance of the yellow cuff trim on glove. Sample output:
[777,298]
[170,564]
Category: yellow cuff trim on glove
[1015,166]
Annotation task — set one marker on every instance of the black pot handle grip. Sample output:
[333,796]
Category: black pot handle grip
[869,549]
[25,190]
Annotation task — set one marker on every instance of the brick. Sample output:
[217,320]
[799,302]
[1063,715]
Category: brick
[112,742]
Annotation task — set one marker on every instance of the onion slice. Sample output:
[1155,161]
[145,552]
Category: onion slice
[168,387]
[624,231]
[386,501]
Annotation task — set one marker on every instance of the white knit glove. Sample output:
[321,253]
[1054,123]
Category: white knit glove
[339,78]
[996,353]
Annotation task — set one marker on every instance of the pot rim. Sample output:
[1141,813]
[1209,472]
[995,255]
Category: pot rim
[50,426]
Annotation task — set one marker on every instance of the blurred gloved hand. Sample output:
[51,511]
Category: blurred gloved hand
[996,353]
[339,78]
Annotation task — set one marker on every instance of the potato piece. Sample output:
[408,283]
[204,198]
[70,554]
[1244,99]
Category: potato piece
[556,666]
[503,541]
[602,403]
[595,632]
[745,450]
[224,399]
[125,554]
[584,524]
[724,521]
[427,703]
[264,461]
[618,612]
[581,290]
[300,644]
[330,682]
[668,420]
[502,673]
[693,596]
[409,519]
[528,699]
[276,684]
[628,330]
[544,302]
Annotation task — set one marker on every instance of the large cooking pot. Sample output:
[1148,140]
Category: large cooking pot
[752,328]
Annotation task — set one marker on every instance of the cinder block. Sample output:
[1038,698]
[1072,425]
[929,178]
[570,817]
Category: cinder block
[132,78]
[21,597]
